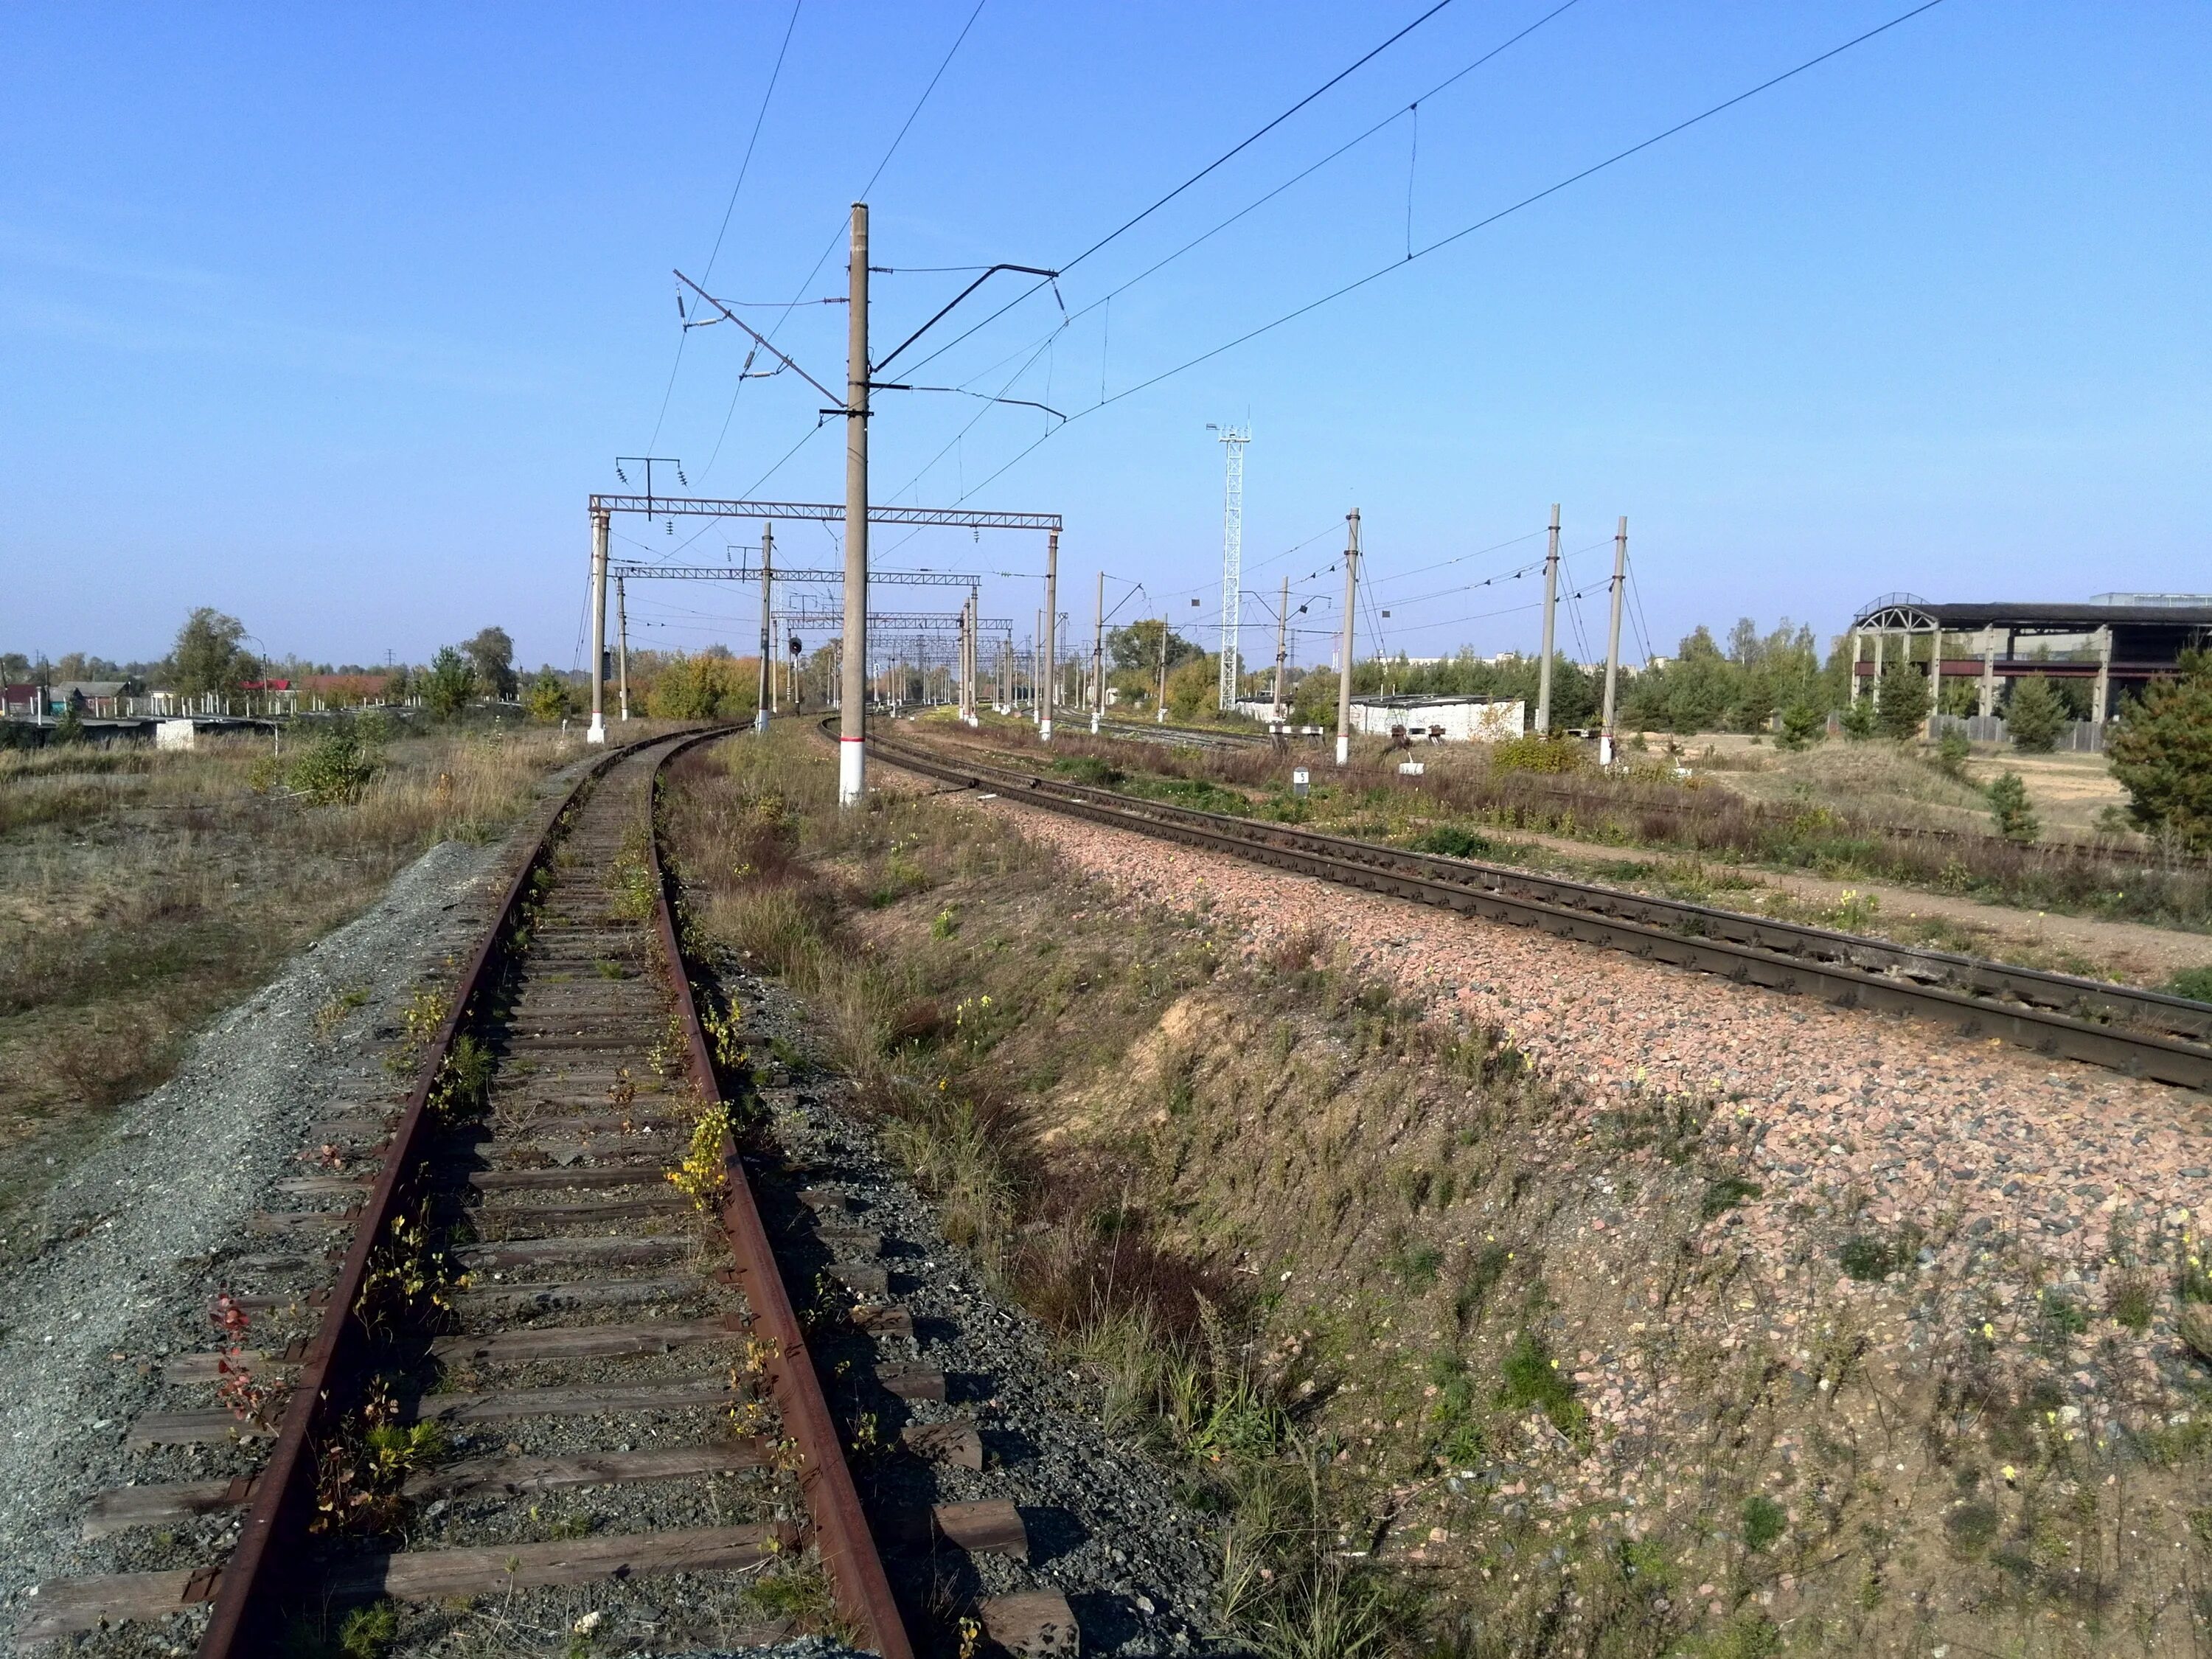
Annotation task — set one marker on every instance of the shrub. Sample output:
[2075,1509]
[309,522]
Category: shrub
[1455,841]
[1803,725]
[448,686]
[1087,768]
[2195,983]
[334,769]
[1904,699]
[1531,1379]
[2162,755]
[548,696]
[1867,1258]
[1764,1521]
[2009,811]
[1858,721]
[1539,752]
[2033,716]
[1951,752]
[1725,1194]
[70,728]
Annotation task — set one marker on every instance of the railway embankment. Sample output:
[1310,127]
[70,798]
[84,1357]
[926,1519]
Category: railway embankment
[1500,1290]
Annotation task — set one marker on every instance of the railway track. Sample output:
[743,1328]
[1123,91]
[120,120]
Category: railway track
[556,1366]
[2144,1033]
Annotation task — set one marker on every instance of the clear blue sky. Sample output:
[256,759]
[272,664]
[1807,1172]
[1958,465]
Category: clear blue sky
[331,316]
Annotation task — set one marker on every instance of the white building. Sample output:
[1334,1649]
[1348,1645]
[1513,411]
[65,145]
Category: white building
[1452,719]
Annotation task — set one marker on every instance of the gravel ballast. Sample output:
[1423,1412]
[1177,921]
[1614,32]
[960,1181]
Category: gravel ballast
[139,1238]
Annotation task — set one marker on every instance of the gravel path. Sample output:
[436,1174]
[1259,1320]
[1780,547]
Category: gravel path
[139,1238]
[1976,1142]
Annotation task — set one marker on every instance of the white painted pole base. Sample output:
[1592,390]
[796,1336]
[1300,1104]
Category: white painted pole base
[852,771]
[1343,748]
[1044,731]
[1094,724]
[1164,714]
[599,731]
[760,720]
[1604,750]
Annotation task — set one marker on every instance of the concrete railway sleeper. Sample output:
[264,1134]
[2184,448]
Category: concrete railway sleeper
[538,1366]
[2143,1033]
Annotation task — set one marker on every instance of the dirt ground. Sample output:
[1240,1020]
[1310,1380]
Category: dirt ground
[2066,792]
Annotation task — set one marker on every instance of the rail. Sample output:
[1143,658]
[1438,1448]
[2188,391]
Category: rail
[265,1565]
[2144,1033]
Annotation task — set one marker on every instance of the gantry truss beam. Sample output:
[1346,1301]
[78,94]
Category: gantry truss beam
[903,621]
[746,573]
[958,517]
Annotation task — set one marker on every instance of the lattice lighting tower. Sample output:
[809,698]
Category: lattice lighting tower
[1232,555]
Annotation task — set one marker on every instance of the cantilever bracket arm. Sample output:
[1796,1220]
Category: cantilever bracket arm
[1027,270]
[764,342]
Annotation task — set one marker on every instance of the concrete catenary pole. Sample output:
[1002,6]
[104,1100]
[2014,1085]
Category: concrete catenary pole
[599,729]
[1613,641]
[1344,675]
[767,639]
[622,645]
[1098,658]
[1048,653]
[1282,648]
[853,718]
[1550,615]
[1160,716]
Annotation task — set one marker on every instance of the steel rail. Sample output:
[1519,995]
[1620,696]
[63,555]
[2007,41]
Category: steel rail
[282,1491]
[857,1580]
[2144,1033]
[2108,859]
[260,1568]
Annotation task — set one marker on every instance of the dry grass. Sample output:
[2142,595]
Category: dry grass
[1864,813]
[140,892]
[1325,1250]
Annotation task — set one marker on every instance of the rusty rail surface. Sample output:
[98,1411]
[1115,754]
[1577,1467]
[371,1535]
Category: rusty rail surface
[2142,1033]
[282,1491]
[862,1591]
[263,1565]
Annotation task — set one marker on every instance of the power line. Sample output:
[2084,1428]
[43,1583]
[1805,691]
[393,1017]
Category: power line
[837,235]
[1228,154]
[1466,231]
[743,167]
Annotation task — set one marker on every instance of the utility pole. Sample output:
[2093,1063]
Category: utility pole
[1098,659]
[853,720]
[767,581]
[1049,651]
[1282,648]
[622,643]
[599,729]
[1161,717]
[1612,640]
[1344,679]
[1550,608]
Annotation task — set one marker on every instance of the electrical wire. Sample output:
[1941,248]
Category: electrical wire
[830,246]
[744,167]
[1235,150]
[1465,231]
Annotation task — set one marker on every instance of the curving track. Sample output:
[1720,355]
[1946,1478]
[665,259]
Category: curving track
[2144,1033]
[593,1382]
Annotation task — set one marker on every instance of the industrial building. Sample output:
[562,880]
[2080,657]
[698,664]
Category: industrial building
[2120,642]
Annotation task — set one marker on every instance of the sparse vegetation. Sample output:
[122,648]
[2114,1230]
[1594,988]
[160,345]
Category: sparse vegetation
[145,891]
[1337,1258]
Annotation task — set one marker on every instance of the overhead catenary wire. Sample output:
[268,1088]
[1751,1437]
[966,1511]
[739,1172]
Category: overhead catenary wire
[744,167]
[838,235]
[1218,162]
[1461,233]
